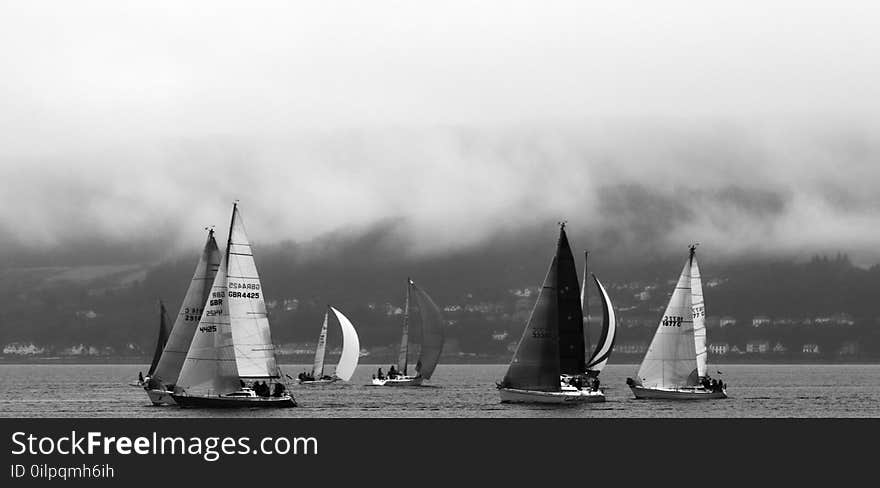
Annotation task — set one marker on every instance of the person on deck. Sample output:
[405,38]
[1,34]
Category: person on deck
[140,377]
[392,373]
[380,375]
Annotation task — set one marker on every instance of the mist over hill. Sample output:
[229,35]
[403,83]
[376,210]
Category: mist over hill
[484,287]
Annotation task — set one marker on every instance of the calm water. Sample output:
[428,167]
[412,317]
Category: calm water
[455,391]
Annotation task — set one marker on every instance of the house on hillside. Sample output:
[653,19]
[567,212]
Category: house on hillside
[760,321]
[727,321]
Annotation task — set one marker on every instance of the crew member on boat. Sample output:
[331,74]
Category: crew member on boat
[392,373]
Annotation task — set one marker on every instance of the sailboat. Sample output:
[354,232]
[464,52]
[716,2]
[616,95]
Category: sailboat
[161,382]
[348,360]
[431,345]
[599,358]
[674,368]
[232,342]
[160,344]
[549,365]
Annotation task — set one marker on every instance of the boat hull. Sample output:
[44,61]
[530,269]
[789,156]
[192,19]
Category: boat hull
[318,382]
[514,395]
[160,397]
[399,381]
[643,393]
[196,401]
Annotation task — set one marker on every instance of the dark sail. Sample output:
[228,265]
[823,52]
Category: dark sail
[163,338]
[432,333]
[535,364]
[570,315]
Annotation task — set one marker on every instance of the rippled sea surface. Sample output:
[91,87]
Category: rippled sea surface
[454,391]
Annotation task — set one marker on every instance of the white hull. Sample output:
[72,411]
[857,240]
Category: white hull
[513,395]
[399,381]
[318,382]
[643,393]
[161,397]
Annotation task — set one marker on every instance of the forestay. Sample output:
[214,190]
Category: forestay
[535,363]
[671,358]
[183,330]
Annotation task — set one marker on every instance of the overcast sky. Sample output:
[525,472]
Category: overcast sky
[741,126]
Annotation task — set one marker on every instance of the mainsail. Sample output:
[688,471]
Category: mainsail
[318,367]
[163,338]
[671,360]
[699,313]
[351,347]
[432,333]
[174,353]
[254,350]
[210,366]
[570,316]
[609,331]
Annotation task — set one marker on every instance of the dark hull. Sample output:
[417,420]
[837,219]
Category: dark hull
[187,401]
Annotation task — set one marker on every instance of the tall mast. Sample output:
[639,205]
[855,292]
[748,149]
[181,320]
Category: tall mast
[585,304]
[231,224]
[403,360]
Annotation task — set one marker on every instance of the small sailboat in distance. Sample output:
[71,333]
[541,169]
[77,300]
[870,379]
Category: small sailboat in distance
[232,342]
[160,344]
[549,365]
[674,367]
[161,383]
[348,360]
[431,345]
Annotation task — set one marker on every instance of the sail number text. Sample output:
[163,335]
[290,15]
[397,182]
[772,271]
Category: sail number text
[242,294]
[699,311]
[192,314]
[672,321]
[541,333]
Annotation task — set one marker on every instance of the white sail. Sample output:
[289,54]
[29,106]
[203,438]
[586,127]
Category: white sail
[699,314]
[671,358]
[609,330]
[320,350]
[174,354]
[254,351]
[351,347]
[210,366]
